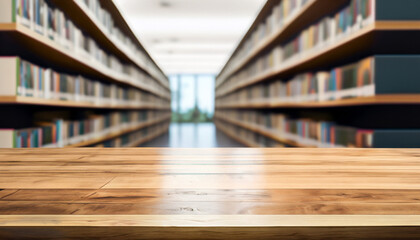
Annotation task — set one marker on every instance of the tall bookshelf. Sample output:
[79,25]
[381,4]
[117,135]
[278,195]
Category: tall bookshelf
[314,73]
[75,75]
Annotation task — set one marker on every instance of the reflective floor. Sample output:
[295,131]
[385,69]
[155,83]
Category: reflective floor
[191,135]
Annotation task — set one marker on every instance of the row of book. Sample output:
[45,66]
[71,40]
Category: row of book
[324,134]
[353,80]
[29,80]
[303,131]
[133,139]
[281,14]
[63,132]
[44,18]
[355,16]
[251,138]
[105,19]
[370,76]
[321,35]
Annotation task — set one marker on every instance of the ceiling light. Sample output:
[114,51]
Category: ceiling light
[165,4]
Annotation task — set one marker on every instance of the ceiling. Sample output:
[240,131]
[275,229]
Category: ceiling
[190,36]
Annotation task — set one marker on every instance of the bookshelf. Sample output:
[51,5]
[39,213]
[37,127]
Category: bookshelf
[353,43]
[48,50]
[80,62]
[312,65]
[81,15]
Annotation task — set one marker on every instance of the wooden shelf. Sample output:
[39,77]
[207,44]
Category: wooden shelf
[114,135]
[394,99]
[28,41]
[263,132]
[308,14]
[236,138]
[356,44]
[148,138]
[84,19]
[70,104]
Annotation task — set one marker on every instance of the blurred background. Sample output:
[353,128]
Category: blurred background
[209,73]
[191,41]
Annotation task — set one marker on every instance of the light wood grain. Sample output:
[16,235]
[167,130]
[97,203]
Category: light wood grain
[150,193]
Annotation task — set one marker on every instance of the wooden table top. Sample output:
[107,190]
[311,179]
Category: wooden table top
[227,193]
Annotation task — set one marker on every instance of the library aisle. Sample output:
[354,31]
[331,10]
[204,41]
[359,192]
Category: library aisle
[209,119]
[193,135]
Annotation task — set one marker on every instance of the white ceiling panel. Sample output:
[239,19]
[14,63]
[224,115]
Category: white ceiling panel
[190,36]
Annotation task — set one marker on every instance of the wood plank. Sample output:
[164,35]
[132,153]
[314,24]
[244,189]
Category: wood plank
[212,220]
[213,195]
[53,182]
[192,233]
[121,192]
[208,202]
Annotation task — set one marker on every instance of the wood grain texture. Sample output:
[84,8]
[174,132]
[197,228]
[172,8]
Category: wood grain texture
[150,193]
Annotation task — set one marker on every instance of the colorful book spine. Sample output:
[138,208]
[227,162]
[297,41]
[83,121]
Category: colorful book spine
[60,132]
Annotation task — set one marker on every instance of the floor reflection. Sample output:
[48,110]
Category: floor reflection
[193,135]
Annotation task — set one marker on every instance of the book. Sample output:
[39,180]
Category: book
[55,132]
[308,132]
[351,18]
[29,80]
[44,18]
[368,77]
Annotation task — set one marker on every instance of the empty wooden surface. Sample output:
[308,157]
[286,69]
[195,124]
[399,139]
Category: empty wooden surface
[228,193]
